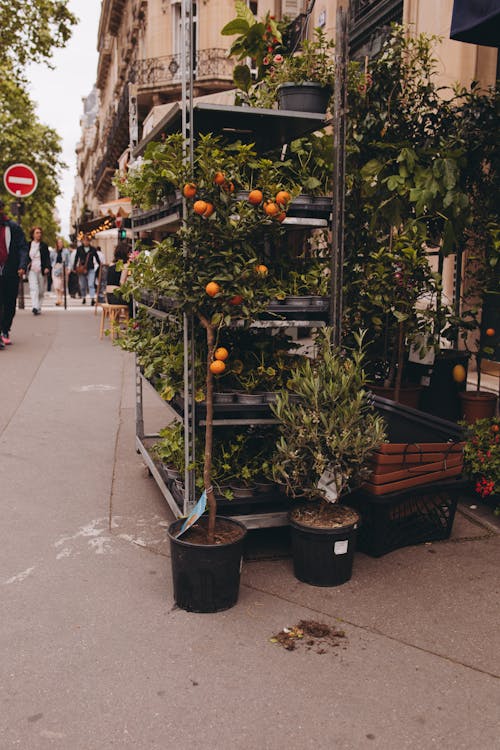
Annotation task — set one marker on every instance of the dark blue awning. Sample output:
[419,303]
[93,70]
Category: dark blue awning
[476,21]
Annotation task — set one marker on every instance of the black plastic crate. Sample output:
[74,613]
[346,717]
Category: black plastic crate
[413,516]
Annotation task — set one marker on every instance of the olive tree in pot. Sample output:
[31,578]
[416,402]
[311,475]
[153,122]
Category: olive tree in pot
[322,453]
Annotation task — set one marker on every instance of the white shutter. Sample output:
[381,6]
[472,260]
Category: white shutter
[291,8]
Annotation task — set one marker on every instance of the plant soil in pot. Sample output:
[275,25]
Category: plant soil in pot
[206,577]
[323,543]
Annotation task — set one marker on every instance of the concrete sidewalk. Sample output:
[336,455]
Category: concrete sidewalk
[93,654]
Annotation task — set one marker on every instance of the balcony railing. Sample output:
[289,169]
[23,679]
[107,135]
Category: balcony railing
[370,20]
[158,71]
[117,136]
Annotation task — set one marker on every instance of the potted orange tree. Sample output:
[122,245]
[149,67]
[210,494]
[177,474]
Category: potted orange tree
[215,270]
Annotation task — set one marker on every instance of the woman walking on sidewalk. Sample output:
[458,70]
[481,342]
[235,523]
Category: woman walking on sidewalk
[13,263]
[38,269]
[61,262]
[86,264]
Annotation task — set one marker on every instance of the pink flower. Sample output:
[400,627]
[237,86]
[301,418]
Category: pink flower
[278,59]
[266,60]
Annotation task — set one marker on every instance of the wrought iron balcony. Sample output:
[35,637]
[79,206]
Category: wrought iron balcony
[160,71]
[369,21]
[116,138]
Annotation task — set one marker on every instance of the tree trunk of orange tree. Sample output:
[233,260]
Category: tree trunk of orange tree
[207,464]
[399,371]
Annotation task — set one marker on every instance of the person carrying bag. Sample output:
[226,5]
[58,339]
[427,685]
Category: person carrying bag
[86,264]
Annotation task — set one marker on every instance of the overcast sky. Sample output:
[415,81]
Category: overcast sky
[58,93]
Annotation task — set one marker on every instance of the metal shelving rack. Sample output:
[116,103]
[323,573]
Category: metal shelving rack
[287,126]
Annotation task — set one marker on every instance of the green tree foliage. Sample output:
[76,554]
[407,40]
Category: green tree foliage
[23,138]
[32,29]
[29,32]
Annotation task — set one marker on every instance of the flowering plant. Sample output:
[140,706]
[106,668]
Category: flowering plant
[482,455]
[257,41]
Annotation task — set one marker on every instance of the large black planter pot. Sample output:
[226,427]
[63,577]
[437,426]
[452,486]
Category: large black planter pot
[304,97]
[323,556]
[206,577]
[441,394]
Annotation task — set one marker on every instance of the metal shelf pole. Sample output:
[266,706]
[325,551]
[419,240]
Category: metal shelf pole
[188,338]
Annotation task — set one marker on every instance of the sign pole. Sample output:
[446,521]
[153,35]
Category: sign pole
[18,210]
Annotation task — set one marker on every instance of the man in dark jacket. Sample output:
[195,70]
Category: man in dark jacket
[86,265]
[13,264]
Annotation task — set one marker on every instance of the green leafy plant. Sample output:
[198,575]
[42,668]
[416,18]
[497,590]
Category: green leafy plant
[169,449]
[482,456]
[395,291]
[314,62]
[423,162]
[331,428]
[259,40]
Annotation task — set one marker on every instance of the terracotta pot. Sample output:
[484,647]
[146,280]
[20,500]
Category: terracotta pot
[409,395]
[478,405]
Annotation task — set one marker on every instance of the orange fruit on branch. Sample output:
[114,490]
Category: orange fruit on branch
[271,209]
[262,270]
[281,216]
[217,367]
[283,197]
[221,353]
[212,288]
[228,186]
[236,300]
[199,207]
[209,210]
[189,190]
[255,197]
[458,373]
[219,178]
[490,331]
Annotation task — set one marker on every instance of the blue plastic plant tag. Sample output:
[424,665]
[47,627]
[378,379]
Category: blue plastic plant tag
[197,511]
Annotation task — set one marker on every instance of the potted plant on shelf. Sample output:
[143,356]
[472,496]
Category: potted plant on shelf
[326,439]
[169,451]
[482,459]
[298,80]
[304,80]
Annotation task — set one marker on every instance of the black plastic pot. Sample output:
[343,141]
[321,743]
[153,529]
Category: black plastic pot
[323,556]
[304,97]
[206,577]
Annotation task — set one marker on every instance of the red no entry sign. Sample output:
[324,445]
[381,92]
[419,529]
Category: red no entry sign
[20,180]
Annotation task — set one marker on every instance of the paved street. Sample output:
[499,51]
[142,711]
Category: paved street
[93,654]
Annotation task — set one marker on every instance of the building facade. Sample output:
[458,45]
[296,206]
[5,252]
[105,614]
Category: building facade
[140,43]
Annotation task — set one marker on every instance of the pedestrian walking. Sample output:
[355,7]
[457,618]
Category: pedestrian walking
[38,268]
[59,264]
[13,265]
[73,287]
[86,264]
